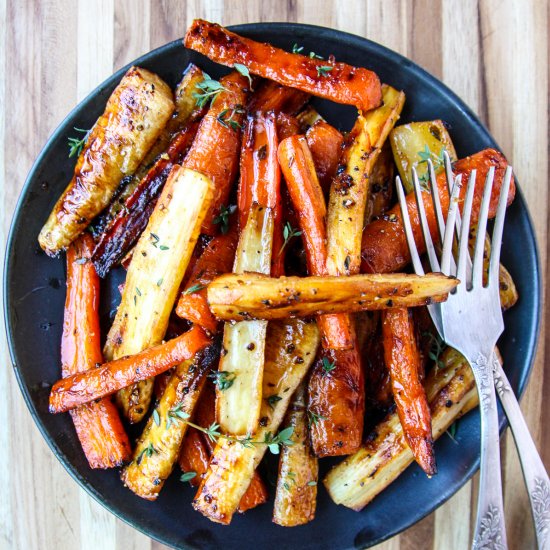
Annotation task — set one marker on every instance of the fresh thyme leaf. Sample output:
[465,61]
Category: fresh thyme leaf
[209,89]
[328,366]
[314,418]
[451,432]
[81,261]
[159,282]
[138,291]
[437,347]
[323,70]
[313,55]
[229,121]
[212,431]
[272,399]
[243,69]
[347,261]
[164,247]
[425,155]
[176,413]
[188,476]
[148,452]
[76,145]
[288,234]
[223,217]
[311,483]
[155,239]
[194,288]
[296,48]
[156,417]
[222,380]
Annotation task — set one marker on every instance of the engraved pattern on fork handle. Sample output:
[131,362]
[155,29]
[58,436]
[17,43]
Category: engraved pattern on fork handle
[490,532]
[534,473]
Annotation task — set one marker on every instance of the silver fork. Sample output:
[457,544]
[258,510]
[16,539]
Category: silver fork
[489,530]
[471,322]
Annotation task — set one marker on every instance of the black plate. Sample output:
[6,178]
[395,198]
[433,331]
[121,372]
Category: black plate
[34,298]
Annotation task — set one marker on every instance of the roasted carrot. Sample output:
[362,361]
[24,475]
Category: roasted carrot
[287,125]
[325,143]
[110,377]
[260,179]
[339,424]
[97,424]
[384,244]
[215,151]
[194,456]
[338,82]
[216,258]
[124,230]
[270,96]
[403,361]
[306,194]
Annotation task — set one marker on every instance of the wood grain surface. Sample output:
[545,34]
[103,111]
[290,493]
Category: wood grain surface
[493,53]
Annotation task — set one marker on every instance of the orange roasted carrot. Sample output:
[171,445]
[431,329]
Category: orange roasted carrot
[403,361]
[338,82]
[384,246]
[110,377]
[336,397]
[215,150]
[287,125]
[97,424]
[270,96]
[260,179]
[194,456]
[325,143]
[217,258]
[307,196]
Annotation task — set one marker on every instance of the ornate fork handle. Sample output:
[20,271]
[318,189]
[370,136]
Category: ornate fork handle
[490,532]
[534,472]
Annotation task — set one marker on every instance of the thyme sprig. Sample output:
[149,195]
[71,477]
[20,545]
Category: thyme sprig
[76,145]
[223,380]
[223,217]
[194,288]
[243,69]
[328,366]
[288,234]
[437,161]
[209,90]
[226,117]
[323,70]
[437,347]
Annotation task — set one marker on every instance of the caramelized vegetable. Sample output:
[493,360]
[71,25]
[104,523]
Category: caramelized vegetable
[296,496]
[359,478]
[216,259]
[384,245]
[290,350]
[215,151]
[97,424]
[403,362]
[270,96]
[235,297]
[194,456]
[158,447]
[324,78]
[110,377]
[134,116]
[325,143]
[159,263]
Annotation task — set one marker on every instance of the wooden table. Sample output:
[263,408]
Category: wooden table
[493,53]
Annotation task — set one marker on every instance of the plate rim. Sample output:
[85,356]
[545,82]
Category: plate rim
[115,77]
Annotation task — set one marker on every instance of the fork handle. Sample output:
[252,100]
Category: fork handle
[489,533]
[534,472]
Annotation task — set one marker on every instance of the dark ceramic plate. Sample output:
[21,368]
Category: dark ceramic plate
[34,298]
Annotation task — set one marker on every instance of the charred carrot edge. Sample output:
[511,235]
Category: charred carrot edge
[110,377]
[325,143]
[98,426]
[403,362]
[384,245]
[306,194]
[123,231]
[215,150]
[260,180]
[194,456]
[216,259]
[338,82]
[270,96]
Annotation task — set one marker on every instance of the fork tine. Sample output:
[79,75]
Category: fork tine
[463,253]
[447,252]
[435,197]
[417,264]
[477,267]
[498,227]
[448,170]
[430,249]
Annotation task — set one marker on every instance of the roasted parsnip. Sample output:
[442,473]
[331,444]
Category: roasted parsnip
[250,296]
[296,496]
[384,246]
[403,363]
[97,424]
[350,187]
[106,379]
[134,117]
[159,262]
[158,447]
[359,478]
[338,82]
[290,349]
[239,388]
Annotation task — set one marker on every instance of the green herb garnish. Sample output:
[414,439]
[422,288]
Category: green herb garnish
[76,145]
[188,476]
[223,217]
[243,69]
[288,233]
[323,70]
[209,90]
[222,380]
[328,366]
